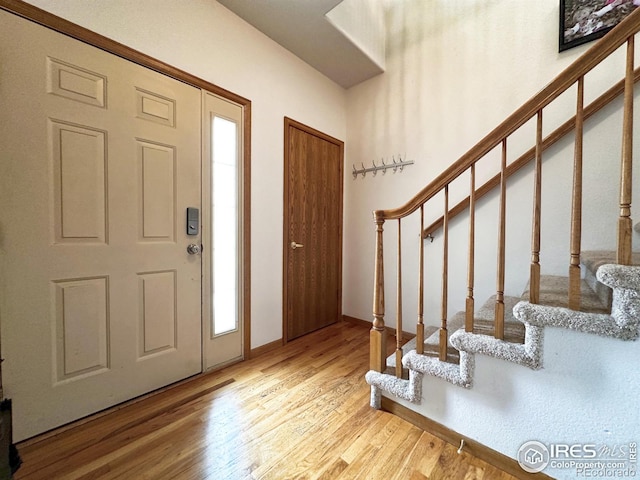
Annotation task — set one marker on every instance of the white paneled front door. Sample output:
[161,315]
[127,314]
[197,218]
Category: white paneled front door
[100,158]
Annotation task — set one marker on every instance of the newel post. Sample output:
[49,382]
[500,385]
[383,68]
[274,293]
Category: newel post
[378,334]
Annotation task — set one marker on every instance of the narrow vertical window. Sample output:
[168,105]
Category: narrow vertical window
[223,203]
[224,213]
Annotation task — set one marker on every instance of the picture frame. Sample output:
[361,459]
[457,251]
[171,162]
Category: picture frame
[582,21]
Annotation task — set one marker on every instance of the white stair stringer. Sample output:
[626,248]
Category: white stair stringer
[623,323]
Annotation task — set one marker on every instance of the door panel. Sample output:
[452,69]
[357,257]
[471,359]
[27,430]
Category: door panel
[99,300]
[313,229]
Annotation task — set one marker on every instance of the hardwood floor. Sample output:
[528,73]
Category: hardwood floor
[300,412]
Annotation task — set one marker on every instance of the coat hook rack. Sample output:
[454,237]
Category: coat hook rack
[394,165]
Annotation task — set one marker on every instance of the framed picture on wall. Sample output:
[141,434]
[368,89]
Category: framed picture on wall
[584,20]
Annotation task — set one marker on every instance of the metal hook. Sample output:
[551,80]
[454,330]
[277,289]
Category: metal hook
[461,446]
[430,237]
[395,165]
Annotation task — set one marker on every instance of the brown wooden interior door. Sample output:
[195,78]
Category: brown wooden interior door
[312,230]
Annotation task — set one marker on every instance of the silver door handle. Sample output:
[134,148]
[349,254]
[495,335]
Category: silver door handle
[193,249]
[295,245]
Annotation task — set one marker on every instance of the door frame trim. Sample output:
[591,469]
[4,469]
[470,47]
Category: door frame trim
[286,250]
[61,25]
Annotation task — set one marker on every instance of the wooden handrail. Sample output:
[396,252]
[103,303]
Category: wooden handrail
[554,137]
[585,63]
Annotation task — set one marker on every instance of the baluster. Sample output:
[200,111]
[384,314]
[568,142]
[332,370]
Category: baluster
[378,334]
[534,276]
[576,204]
[470,304]
[399,306]
[445,275]
[499,311]
[420,326]
[623,255]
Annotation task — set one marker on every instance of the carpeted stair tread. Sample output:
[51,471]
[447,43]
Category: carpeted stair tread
[487,311]
[432,342]
[410,345]
[453,355]
[484,320]
[454,323]
[594,259]
[554,293]
[513,331]
[391,370]
[483,325]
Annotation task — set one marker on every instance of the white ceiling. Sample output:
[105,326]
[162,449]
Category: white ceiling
[301,27]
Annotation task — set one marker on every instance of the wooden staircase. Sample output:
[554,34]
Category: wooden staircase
[600,295]
[554,290]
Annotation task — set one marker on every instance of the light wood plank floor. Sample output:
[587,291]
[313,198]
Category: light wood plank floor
[298,412]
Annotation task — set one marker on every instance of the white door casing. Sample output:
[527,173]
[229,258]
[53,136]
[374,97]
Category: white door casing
[99,300]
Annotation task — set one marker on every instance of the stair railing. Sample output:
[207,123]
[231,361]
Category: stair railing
[532,154]
[574,74]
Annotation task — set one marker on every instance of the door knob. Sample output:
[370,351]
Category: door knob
[193,249]
[295,245]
